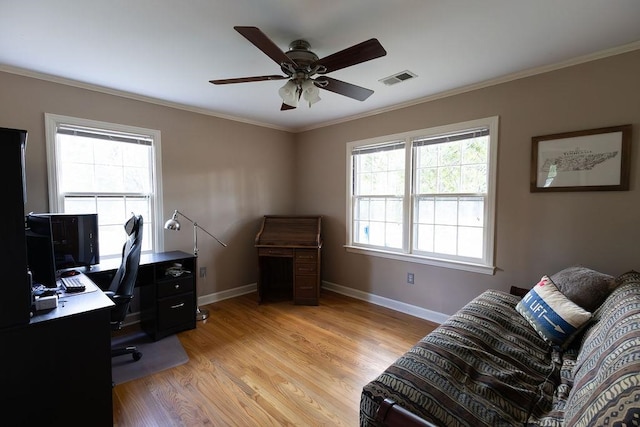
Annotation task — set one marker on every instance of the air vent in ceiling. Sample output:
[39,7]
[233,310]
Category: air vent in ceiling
[398,77]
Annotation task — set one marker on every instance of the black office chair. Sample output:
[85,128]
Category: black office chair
[121,289]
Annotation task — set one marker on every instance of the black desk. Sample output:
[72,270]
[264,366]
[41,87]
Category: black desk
[56,370]
[167,302]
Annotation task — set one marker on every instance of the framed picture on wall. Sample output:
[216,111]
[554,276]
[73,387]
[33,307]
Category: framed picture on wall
[586,160]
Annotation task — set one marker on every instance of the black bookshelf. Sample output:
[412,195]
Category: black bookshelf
[15,303]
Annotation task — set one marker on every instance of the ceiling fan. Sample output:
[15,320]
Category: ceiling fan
[301,65]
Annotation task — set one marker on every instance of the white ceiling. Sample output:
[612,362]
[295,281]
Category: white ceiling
[168,50]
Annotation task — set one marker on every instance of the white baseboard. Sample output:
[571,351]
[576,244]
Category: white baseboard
[133,318]
[423,313]
[229,293]
[402,307]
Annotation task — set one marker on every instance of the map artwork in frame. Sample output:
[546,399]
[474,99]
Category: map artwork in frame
[588,160]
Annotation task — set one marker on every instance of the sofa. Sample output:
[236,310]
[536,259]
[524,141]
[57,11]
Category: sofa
[567,353]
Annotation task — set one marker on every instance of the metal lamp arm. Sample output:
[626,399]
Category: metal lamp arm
[195,224]
[195,232]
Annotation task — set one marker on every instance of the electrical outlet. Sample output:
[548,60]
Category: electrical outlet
[410,278]
[203,271]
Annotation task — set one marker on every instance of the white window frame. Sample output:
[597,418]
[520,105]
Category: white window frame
[53,121]
[486,264]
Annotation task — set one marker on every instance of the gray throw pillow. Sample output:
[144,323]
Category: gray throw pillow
[586,287]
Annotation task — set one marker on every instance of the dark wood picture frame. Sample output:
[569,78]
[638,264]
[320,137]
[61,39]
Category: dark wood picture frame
[586,160]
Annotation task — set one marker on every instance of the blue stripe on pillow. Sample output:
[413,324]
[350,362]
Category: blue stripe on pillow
[548,321]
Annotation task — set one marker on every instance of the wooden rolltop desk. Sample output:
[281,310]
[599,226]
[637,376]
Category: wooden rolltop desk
[289,249]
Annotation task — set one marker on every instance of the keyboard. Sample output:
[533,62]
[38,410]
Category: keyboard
[73,284]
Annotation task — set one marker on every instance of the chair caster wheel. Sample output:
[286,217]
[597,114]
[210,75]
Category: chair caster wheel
[137,356]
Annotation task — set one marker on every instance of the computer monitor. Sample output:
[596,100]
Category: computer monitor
[73,240]
[40,258]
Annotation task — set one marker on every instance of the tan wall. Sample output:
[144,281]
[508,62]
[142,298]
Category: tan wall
[227,174]
[221,173]
[536,233]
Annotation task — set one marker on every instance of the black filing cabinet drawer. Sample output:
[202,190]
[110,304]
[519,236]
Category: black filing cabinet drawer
[180,285]
[175,311]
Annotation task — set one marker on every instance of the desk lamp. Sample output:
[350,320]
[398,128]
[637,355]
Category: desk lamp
[174,224]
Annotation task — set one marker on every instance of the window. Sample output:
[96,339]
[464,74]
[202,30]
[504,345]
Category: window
[108,169]
[426,196]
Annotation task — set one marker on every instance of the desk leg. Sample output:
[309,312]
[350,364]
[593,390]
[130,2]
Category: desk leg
[261,281]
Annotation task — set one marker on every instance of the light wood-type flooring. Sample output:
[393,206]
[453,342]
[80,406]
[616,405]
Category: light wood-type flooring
[272,364]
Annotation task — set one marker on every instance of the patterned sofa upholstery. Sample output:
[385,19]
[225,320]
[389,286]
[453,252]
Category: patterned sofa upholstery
[487,366]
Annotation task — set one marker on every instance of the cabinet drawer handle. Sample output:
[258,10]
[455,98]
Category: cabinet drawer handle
[176,286]
[305,287]
[178,305]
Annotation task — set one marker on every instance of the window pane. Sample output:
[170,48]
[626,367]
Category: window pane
[107,152]
[112,214]
[475,150]
[424,238]
[449,153]
[136,180]
[376,233]
[449,180]
[109,179]
[427,180]
[361,232]
[77,177]
[362,209]
[428,156]
[458,166]
[139,206]
[112,237]
[425,210]
[378,221]
[394,235]
[79,205]
[470,242]
[378,211]
[112,210]
[474,178]
[379,173]
[471,211]
[394,211]
[446,211]
[445,239]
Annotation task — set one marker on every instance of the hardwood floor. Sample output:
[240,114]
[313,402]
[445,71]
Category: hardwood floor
[273,364]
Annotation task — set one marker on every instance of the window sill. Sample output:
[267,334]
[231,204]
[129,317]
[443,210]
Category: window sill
[475,268]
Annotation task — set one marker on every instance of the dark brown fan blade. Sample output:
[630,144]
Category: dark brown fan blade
[344,88]
[247,79]
[264,43]
[362,52]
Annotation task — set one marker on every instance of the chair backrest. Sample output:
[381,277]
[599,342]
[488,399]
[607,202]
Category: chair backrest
[124,280]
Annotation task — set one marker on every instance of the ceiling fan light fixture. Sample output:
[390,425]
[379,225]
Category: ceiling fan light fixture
[310,92]
[289,93]
[300,65]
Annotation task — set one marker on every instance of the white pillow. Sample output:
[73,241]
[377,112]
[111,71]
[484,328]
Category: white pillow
[554,316]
